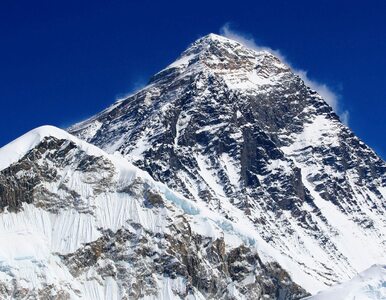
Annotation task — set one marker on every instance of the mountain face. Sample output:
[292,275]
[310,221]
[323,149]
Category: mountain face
[226,177]
[78,223]
[238,131]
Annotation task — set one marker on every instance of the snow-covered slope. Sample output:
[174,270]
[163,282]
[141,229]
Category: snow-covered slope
[15,150]
[226,177]
[368,285]
[78,223]
[237,131]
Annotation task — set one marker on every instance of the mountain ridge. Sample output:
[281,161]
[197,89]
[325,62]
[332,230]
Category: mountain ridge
[225,164]
[208,96]
[84,223]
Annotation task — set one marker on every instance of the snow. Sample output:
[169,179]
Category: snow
[141,147]
[109,289]
[91,129]
[114,210]
[181,62]
[231,168]
[368,285]
[279,165]
[62,233]
[182,123]
[16,149]
[213,128]
[27,244]
[320,132]
[359,248]
[22,245]
[209,222]
[38,234]
[208,175]
[350,239]
[251,80]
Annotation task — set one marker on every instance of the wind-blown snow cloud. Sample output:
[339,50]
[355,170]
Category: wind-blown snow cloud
[331,97]
[135,87]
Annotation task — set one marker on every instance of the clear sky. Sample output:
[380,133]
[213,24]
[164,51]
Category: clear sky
[62,61]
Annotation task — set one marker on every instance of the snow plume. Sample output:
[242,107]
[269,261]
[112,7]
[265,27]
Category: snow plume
[135,86]
[331,97]
[248,41]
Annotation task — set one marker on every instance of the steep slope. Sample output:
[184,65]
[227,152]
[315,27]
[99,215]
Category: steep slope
[368,285]
[237,131]
[78,223]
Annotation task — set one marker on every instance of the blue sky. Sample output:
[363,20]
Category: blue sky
[62,61]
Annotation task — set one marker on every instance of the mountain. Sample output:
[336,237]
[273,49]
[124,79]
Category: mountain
[236,130]
[368,285]
[226,177]
[78,223]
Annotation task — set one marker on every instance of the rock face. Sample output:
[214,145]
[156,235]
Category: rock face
[77,223]
[226,177]
[237,130]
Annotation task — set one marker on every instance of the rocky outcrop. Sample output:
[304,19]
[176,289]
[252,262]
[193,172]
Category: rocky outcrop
[136,258]
[26,181]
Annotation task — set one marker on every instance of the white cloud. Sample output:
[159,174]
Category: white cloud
[345,117]
[331,97]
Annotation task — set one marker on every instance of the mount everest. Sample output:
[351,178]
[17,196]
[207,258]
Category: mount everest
[226,177]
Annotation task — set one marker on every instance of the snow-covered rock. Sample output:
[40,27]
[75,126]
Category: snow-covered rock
[78,223]
[238,131]
[226,177]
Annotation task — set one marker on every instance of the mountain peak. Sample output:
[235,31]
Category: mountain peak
[260,191]
[12,152]
[214,44]
[221,43]
[225,57]
[16,149]
[212,37]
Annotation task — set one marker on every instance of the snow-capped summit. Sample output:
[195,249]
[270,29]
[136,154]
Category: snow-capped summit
[226,177]
[236,129]
[235,63]
[222,48]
